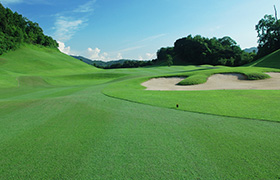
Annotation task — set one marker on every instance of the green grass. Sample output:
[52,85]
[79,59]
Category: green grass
[86,135]
[61,125]
[34,61]
[271,61]
[253,104]
[194,79]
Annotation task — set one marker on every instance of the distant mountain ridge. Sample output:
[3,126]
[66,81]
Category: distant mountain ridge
[252,49]
[102,63]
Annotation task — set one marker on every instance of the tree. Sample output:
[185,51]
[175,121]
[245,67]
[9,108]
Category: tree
[169,60]
[200,50]
[227,41]
[163,52]
[268,30]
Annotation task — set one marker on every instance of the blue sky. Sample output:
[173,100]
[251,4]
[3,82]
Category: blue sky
[136,29]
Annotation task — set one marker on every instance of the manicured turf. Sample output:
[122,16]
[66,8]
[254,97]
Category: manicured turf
[252,104]
[272,61]
[62,126]
[58,134]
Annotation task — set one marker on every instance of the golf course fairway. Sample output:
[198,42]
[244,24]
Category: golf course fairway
[63,119]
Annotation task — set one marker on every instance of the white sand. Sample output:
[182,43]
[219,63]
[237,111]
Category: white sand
[217,81]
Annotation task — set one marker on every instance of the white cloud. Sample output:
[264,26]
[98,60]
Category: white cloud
[97,54]
[105,54]
[65,28]
[85,8]
[63,48]
[150,56]
[147,56]
[119,56]
[67,23]
[93,53]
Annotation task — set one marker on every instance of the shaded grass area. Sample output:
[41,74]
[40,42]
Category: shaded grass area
[86,135]
[271,61]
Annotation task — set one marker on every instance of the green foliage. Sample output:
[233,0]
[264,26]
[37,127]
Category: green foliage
[257,76]
[128,64]
[268,30]
[15,29]
[200,50]
[194,79]
[169,60]
[163,53]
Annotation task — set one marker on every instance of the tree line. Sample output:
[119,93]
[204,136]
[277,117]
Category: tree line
[222,51]
[201,50]
[16,29]
[123,64]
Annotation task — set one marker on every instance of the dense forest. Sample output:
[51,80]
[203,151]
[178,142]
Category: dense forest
[200,50]
[16,29]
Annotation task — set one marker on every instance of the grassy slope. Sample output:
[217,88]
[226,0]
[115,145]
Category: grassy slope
[74,131]
[272,61]
[38,66]
[30,59]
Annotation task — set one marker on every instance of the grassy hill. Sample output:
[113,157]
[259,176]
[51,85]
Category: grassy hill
[30,59]
[76,124]
[34,64]
[272,61]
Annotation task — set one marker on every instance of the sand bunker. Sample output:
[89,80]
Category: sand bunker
[215,82]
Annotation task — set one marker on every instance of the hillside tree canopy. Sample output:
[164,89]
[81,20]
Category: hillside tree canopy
[16,29]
